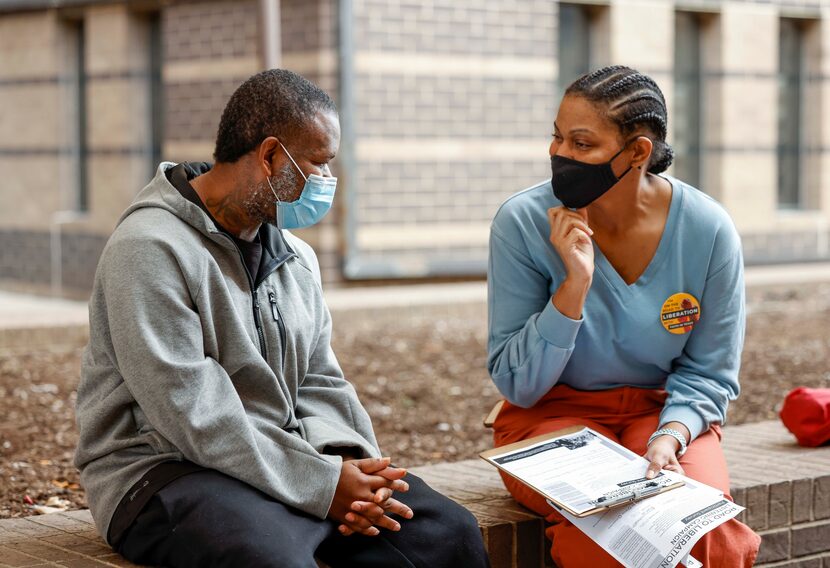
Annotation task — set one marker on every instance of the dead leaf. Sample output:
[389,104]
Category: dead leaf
[44,510]
[57,502]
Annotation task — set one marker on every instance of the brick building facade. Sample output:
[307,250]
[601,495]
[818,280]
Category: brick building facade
[446,105]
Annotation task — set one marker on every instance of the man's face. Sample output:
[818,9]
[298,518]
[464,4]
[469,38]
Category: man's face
[314,147]
[312,150]
[260,204]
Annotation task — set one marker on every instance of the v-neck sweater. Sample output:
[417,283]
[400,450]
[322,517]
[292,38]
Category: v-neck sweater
[629,334]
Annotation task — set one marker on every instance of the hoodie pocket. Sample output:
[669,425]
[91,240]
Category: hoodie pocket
[149,435]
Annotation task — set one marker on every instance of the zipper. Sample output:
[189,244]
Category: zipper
[257,319]
[275,311]
[258,323]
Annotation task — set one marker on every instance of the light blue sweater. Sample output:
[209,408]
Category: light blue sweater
[620,339]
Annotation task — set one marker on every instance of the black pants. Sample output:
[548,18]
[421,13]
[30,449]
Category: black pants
[210,519]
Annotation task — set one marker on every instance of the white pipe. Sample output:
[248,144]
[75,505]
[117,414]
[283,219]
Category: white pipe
[271,39]
[58,219]
[823,235]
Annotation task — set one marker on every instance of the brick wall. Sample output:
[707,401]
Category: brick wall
[786,491]
[793,519]
[465,107]
[208,49]
[427,191]
[210,30]
[509,27]
[309,47]
[455,101]
[193,111]
[453,109]
[26,256]
[454,114]
[308,27]
[30,151]
[39,138]
[767,248]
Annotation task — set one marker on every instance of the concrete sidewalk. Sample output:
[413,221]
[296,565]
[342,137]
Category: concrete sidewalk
[28,321]
[36,322]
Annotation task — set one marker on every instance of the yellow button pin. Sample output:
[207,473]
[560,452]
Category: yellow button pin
[680,313]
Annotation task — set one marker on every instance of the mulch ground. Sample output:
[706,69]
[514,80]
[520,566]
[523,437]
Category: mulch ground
[423,380]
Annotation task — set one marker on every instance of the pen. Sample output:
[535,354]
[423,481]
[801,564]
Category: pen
[634,495]
[611,501]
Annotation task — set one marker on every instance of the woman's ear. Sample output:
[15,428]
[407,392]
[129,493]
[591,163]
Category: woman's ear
[642,146]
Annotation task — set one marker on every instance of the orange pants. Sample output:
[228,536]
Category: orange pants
[629,416]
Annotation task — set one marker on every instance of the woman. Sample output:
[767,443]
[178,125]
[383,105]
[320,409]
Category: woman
[617,302]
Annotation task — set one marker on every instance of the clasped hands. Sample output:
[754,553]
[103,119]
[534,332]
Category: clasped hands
[363,498]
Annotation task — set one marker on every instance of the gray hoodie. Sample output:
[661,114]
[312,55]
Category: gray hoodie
[177,367]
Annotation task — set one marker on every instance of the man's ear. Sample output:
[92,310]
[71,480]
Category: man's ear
[269,156]
[642,146]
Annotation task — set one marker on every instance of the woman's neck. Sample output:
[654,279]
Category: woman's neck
[627,204]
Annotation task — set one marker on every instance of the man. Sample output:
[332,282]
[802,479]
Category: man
[216,427]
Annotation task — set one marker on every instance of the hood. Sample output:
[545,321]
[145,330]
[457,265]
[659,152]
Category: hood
[162,194]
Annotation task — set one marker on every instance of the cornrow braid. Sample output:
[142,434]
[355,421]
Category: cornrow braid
[632,101]
[647,117]
[600,75]
[622,86]
[640,96]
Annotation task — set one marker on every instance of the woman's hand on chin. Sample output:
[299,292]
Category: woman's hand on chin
[570,235]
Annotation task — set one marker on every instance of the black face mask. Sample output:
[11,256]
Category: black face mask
[577,184]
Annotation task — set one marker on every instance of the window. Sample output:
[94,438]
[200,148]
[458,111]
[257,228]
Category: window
[688,97]
[574,43]
[791,87]
[77,113]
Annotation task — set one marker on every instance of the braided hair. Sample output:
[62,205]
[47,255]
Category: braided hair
[632,101]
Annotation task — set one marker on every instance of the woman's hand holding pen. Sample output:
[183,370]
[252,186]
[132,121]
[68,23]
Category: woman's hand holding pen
[570,236]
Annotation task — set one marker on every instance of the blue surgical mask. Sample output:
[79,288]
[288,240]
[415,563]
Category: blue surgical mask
[312,205]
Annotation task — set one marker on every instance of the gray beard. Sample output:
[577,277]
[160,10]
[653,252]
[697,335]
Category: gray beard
[261,205]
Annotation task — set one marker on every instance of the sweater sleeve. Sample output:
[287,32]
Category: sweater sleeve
[328,408]
[187,396]
[705,377]
[529,341]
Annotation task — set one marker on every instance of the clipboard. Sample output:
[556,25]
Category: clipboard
[617,501]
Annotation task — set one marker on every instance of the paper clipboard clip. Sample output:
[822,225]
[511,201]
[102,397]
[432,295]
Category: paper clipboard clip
[647,490]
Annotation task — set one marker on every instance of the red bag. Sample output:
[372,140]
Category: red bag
[806,413]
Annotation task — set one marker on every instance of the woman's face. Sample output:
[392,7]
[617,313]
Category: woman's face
[581,133]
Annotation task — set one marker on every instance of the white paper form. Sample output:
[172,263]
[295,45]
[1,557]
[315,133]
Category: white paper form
[660,531]
[577,469]
[691,562]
